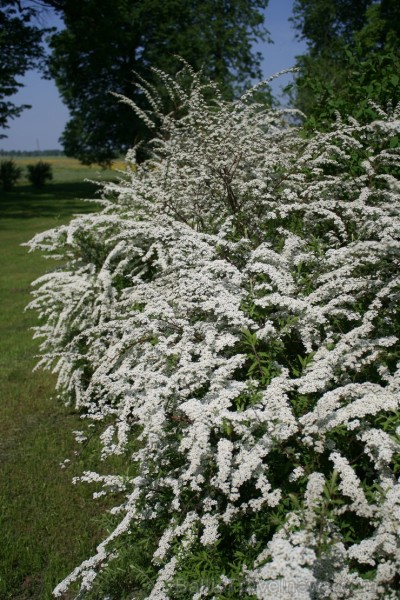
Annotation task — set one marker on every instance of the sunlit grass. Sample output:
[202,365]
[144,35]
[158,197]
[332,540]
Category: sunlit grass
[66,169]
[47,525]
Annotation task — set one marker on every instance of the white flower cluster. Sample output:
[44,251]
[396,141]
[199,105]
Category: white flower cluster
[234,306]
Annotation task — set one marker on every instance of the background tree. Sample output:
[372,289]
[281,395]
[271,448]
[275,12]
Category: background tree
[353,57]
[20,50]
[104,43]
[39,173]
[9,174]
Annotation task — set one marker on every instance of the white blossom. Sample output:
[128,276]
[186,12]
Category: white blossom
[232,310]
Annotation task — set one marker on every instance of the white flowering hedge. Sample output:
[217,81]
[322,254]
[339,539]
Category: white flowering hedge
[232,314]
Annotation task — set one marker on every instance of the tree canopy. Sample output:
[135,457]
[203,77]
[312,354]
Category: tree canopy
[353,57]
[20,50]
[106,47]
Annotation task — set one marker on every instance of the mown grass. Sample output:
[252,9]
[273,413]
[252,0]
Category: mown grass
[47,525]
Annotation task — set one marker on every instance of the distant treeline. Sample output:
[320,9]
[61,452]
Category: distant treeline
[31,153]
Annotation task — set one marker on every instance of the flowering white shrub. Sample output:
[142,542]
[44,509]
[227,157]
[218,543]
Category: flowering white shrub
[232,314]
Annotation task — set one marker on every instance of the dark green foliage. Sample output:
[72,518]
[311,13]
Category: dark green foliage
[327,24]
[39,173]
[20,50]
[9,174]
[353,58]
[105,43]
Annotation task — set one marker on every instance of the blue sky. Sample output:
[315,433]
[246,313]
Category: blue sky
[40,127]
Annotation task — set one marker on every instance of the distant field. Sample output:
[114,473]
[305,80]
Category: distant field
[67,169]
[71,183]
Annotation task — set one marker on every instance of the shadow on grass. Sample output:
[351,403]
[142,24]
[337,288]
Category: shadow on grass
[66,199]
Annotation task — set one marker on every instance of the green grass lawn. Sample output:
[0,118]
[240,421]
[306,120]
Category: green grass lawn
[47,525]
